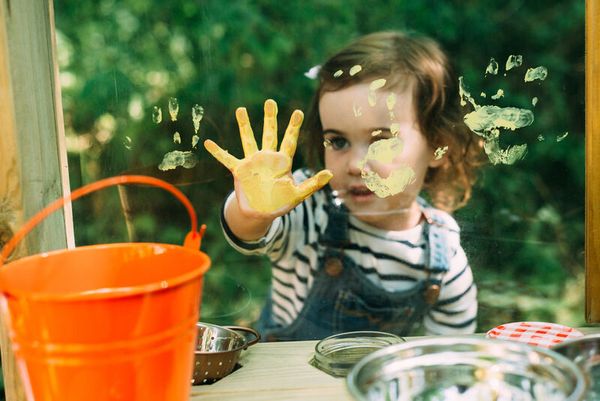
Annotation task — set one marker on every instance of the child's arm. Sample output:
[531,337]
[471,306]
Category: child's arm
[264,188]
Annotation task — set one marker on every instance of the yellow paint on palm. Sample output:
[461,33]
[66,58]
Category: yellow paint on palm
[263,176]
[267,185]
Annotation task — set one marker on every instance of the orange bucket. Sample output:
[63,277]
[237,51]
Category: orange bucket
[105,322]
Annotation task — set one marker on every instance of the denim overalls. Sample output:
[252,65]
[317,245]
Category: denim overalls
[342,298]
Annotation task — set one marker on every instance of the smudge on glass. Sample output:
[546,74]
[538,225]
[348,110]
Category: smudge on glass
[498,95]
[384,151]
[338,73]
[514,61]
[176,137]
[177,158]
[390,101]
[373,87]
[355,69]
[376,132]
[486,119]
[395,183]
[195,140]
[464,94]
[483,94]
[197,114]
[372,98]
[532,74]
[357,110]
[540,138]
[127,142]
[173,108]
[534,101]
[492,67]
[156,115]
[377,84]
[395,129]
[440,152]
[561,137]
[508,155]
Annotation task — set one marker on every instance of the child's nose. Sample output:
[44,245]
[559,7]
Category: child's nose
[357,162]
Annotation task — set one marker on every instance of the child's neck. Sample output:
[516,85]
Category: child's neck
[409,219]
[406,219]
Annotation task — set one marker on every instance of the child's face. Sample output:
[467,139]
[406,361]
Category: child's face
[349,123]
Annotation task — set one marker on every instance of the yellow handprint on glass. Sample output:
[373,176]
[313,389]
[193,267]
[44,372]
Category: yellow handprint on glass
[263,179]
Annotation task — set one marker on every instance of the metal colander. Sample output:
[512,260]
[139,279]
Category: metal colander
[218,349]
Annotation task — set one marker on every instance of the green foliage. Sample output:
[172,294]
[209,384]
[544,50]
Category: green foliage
[523,229]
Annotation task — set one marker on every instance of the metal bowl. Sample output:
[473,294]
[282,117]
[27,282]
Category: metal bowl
[464,368]
[218,349]
[585,352]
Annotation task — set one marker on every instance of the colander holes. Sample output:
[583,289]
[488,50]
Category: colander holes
[204,381]
[218,372]
[229,361]
[197,363]
[209,363]
[220,363]
[206,374]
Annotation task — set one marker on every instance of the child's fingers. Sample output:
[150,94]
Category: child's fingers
[221,155]
[290,139]
[269,139]
[246,134]
[313,184]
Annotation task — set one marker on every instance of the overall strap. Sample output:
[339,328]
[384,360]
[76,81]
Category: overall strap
[439,256]
[336,234]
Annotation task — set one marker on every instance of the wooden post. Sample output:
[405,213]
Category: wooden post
[33,169]
[592,165]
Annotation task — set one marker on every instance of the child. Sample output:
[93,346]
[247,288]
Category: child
[365,252]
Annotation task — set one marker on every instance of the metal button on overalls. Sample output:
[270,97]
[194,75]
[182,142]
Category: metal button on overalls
[432,293]
[333,267]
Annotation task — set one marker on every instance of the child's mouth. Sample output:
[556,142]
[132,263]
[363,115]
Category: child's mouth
[359,194]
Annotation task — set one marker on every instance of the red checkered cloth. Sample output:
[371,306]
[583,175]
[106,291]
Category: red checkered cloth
[540,334]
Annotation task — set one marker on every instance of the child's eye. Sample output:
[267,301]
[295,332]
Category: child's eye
[336,143]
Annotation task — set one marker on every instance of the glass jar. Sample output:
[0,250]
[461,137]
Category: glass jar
[337,354]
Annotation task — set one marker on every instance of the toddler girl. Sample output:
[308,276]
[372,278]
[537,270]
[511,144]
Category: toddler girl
[365,251]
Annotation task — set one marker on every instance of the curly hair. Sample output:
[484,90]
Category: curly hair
[403,58]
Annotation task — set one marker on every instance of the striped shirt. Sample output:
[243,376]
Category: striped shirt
[393,260]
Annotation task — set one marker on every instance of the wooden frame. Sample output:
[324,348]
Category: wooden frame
[592,165]
[33,162]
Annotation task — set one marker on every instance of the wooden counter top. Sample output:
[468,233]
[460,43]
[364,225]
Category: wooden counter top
[275,371]
[280,371]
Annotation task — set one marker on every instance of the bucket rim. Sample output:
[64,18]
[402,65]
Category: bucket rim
[105,293]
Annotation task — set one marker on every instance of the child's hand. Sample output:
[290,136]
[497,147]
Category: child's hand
[263,182]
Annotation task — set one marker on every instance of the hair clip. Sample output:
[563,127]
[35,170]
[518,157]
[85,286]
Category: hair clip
[313,72]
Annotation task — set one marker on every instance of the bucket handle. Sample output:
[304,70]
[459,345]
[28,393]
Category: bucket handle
[192,239]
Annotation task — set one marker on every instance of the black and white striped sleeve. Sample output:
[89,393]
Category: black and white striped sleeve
[274,239]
